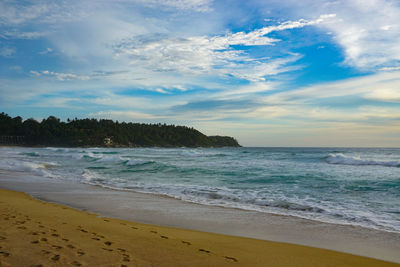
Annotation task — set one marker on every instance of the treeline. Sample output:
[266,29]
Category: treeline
[98,133]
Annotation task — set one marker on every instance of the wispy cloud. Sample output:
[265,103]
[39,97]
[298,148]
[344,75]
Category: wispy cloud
[59,76]
[211,54]
[368,31]
[29,35]
[7,51]
[195,5]
[124,115]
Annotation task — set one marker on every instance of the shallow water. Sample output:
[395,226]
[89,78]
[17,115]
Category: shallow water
[337,185]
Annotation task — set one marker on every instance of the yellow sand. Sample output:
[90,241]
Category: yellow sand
[37,233]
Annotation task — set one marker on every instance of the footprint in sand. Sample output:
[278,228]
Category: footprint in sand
[55,235]
[34,233]
[80,253]
[4,253]
[35,242]
[57,247]
[64,239]
[95,238]
[126,258]
[46,252]
[163,236]
[44,239]
[97,235]
[231,259]
[107,249]
[2,238]
[75,263]
[121,249]
[154,232]
[108,243]
[204,250]
[133,227]
[70,246]
[55,257]
[186,243]
[21,227]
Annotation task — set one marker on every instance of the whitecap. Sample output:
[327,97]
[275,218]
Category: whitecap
[112,159]
[342,159]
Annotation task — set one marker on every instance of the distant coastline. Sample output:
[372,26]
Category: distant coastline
[102,133]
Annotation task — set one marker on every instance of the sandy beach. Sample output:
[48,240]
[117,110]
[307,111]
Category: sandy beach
[38,233]
[52,234]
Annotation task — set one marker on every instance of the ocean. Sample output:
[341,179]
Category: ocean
[353,186]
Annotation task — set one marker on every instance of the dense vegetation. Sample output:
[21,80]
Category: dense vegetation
[93,132]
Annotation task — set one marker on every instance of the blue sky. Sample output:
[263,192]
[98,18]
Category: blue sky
[270,73]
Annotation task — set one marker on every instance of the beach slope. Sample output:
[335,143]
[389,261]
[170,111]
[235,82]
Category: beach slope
[37,233]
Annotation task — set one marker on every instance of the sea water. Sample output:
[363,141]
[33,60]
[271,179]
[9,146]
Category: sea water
[357,186]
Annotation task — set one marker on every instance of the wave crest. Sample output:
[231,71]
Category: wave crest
[342,159]
[24,166]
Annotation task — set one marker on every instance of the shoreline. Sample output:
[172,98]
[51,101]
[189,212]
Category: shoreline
[53,234]
[240,209]
[170,212]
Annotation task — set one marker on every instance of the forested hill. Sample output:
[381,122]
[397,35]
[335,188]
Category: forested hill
[100,133]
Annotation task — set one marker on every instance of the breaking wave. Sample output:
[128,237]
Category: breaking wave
[24,166]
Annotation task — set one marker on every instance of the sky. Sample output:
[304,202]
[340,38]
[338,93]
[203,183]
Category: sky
[267,72]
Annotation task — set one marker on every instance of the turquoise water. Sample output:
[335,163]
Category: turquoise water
[337,185]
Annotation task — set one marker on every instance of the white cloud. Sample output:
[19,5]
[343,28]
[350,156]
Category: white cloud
[195,5]
[256,71]
[31,11]
[60,76]
[368,31]
[385,94]
[365,86]
[46,51]
[28,35]
[390,69]
[211,55]
[7,51]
